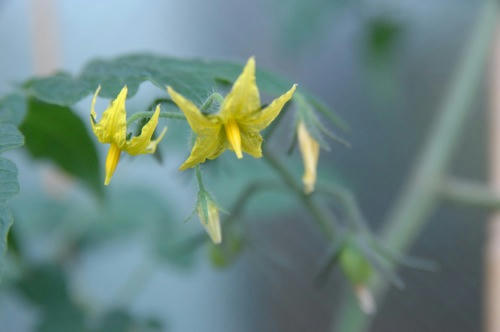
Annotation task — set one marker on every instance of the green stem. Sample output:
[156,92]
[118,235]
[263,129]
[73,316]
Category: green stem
[141,115]
[198,178]
[420,197]
[470,193]
[323,221]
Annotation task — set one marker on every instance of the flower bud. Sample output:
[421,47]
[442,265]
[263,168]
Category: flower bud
[359,272]
[208,212]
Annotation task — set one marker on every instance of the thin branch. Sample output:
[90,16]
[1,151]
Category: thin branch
[470,193]
[323,221]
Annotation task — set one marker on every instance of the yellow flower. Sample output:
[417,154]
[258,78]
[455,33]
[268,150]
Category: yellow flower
[309,148]
[238,123]
[112,129]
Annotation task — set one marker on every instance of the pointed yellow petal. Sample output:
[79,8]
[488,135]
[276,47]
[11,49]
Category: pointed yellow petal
[111,162]
[197,121]
[205,147]
[262,119]
[234,137]
[142,143]
[113,125]
[251,142]
[244,96]
[309,148]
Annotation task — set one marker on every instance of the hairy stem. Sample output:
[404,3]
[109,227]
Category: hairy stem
[141,115]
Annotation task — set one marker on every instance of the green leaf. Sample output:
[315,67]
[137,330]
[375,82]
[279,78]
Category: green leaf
[8,180]
[10,137]
[193,78]
[55,133]
[6,221]
[120,320]
[12,108]
[46,286]
[60,89]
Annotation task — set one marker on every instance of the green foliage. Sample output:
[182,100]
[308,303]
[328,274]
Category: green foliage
[56,133]
[12,108]
[355,266]
[45,286]
[193,78]
[10,138]
[225,253]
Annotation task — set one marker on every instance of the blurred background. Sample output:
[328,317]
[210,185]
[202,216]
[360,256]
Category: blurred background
[382,65]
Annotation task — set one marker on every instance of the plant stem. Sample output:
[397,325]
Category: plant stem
[169,115]
[198,178]
[470,193]
[420,197]
[323,221]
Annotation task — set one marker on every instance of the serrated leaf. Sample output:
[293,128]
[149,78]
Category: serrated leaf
[195,79]
[6,221]
[12,108]
[8,180]
[55,133]
[10,137]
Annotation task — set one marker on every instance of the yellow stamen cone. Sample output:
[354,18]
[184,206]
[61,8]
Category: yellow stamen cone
[111,162]
[234,137]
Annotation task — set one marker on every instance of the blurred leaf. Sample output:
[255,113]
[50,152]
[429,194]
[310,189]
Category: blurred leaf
[122,321]
[8,180]
[382,37]
[6,221]
[10,137]
[224,254]
[46,287]
[383,34]
[307,22]
[12,108]
[56,133]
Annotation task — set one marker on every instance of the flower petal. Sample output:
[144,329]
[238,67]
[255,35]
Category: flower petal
[309,148]
[141,144]
[251,142]
[206,147]
[113,125]
[244,96]
[263,118]
[199,123]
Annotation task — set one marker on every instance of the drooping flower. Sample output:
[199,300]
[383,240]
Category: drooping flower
[309,148]
[238,123]
[112,129]
[208,212]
